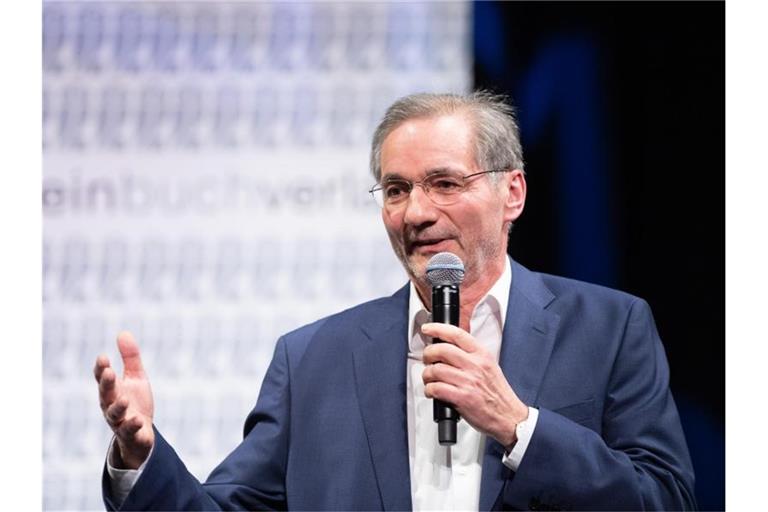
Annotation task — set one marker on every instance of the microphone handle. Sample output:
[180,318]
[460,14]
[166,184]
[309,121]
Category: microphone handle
[445,310]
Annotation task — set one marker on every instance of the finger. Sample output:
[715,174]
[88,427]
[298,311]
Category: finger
[446,353]
[451,334]
[442,391]
[115,413]
[128,428]
[107,388]
[129,351]
[440,372]
[130,433]
[102,362]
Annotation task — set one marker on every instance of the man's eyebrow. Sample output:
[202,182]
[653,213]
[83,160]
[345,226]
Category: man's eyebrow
[392,176]
[441,170]
[431,172]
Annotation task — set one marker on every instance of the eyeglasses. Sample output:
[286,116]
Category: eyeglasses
[442,188]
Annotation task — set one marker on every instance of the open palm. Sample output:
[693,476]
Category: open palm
[127,403]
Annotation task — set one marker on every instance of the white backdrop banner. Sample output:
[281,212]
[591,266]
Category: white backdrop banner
[205,186]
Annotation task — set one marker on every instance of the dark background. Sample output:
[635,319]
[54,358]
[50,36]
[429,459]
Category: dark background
[622,112]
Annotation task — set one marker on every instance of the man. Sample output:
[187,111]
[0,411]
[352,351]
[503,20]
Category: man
[562,386]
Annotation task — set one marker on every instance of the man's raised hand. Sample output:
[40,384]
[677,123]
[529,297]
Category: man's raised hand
[127,404]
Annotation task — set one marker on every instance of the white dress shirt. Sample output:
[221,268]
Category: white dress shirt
[448,477]
[442,477]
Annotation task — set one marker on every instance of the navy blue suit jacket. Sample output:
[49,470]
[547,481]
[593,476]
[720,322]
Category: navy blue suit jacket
[329,428]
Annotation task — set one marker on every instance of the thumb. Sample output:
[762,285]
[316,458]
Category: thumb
[129,351]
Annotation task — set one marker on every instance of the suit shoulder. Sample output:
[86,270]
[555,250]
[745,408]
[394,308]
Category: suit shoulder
[595,313]
[567,288]
[297,340]
[349,315]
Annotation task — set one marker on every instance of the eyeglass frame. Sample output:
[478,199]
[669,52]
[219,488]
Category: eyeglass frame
[379,187]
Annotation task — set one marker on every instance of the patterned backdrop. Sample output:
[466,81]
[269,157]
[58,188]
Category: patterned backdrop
[204,186]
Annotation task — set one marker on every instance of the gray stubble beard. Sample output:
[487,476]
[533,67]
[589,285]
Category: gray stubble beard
[489,251]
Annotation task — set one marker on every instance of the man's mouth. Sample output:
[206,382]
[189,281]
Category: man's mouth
[428,244]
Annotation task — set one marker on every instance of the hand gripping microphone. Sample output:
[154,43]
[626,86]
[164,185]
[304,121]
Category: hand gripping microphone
[445,271]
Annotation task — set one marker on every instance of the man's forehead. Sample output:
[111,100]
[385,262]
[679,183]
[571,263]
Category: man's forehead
[431,145]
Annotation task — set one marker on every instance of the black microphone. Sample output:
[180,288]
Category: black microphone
[445,271]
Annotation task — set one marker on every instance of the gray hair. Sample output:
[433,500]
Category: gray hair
[497,136]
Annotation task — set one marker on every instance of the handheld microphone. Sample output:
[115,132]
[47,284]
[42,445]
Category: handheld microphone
[445,271]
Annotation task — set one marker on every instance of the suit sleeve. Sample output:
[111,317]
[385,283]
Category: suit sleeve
[252,477]
[640,461]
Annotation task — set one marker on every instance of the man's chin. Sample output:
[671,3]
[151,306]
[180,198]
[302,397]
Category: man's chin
[417,262]
[417,266]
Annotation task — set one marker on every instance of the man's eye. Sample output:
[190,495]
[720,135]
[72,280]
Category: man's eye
[446,185]
[395,190]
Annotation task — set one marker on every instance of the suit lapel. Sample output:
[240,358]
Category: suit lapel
[380,365]
[527,342]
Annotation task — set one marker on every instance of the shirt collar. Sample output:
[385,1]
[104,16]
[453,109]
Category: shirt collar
[498,294]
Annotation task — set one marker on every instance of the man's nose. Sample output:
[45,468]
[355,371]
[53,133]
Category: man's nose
[419,208]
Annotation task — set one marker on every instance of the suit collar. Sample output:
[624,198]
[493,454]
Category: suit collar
[498,296]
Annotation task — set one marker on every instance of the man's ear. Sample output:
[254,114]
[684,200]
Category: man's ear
[514,201]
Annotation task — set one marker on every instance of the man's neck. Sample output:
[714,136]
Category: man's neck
[473,290]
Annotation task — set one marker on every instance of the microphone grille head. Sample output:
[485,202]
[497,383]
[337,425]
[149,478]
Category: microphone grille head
[445,268]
